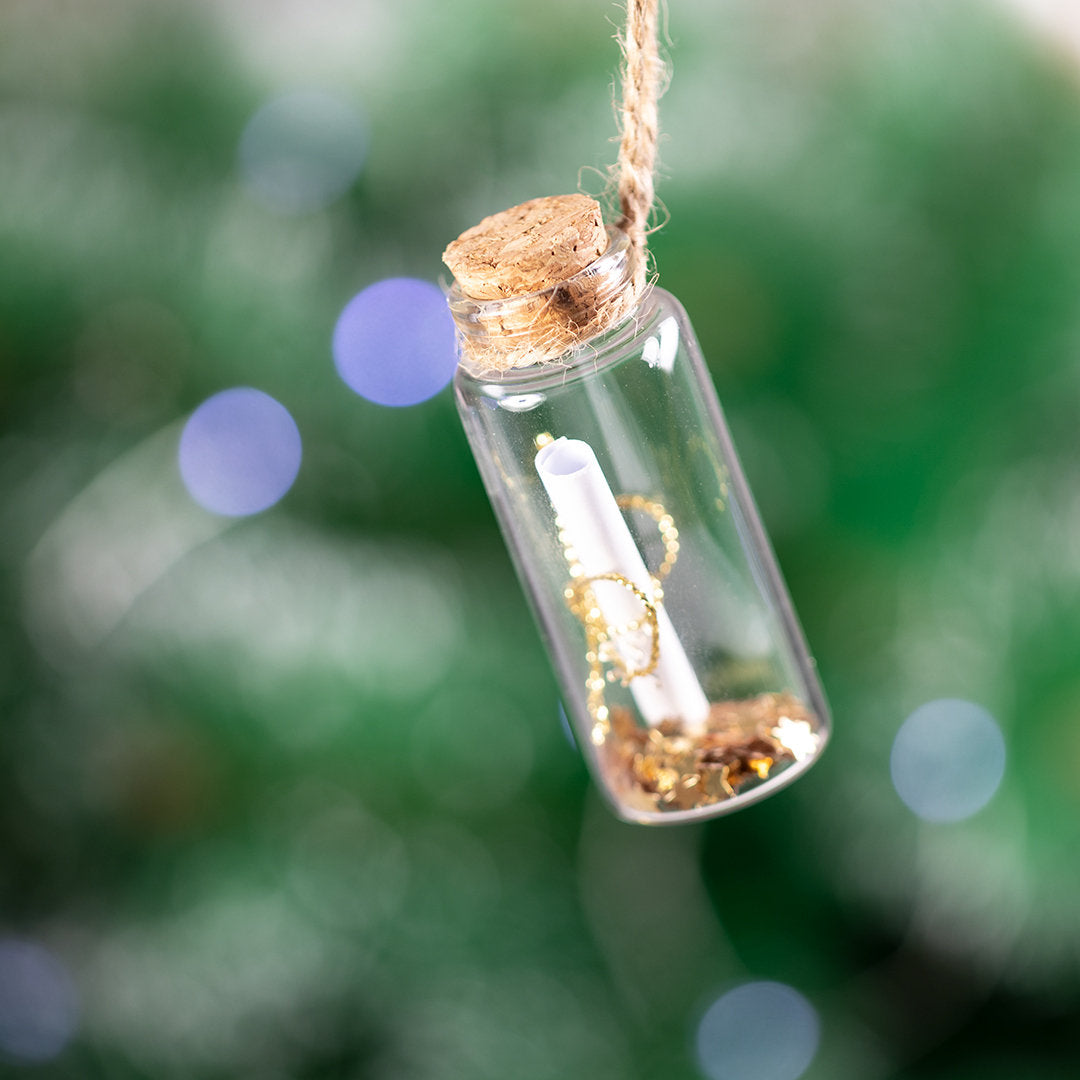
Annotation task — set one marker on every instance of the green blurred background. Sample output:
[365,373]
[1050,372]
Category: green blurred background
[287,795]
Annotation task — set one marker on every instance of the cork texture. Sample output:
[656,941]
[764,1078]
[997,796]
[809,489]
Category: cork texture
[528,248]
[531,288]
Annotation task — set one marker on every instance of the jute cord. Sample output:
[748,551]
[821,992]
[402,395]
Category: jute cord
[641,82]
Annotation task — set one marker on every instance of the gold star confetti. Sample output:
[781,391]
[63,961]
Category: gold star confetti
[745,742]
[797,736]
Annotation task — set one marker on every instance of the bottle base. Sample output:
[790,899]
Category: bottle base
[747,748]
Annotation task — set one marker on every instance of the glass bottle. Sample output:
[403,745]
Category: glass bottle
[682,666]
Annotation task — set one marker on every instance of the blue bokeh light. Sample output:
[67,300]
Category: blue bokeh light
[758,1031]
[394,342]
[39,1006]
[947,760]
[302,150]
[239,452]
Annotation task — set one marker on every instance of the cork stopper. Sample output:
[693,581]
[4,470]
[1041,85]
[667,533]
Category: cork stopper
[528,248]
[535,281]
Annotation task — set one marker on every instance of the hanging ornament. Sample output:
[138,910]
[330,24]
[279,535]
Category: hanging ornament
[602,446]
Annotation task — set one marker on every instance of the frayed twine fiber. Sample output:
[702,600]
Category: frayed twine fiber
[535,253]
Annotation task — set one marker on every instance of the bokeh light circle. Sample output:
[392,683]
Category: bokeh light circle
[394,342]
[39,1007]
[947,760]
[758,1031]
[302,150]
[239,452]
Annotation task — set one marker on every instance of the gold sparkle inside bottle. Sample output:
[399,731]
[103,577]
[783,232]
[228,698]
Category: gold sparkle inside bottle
[612,474]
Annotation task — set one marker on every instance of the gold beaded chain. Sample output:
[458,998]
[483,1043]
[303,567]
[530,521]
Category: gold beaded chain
[600,636]
[600,640]
[668,534]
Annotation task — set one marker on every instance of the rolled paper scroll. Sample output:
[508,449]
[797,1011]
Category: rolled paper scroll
[590,516]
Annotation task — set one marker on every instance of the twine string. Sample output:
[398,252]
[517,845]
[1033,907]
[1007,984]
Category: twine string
[641,84]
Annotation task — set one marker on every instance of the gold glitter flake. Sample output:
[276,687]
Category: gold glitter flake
[745,742]
[797,736]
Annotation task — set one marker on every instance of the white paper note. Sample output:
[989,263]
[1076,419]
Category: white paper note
[590,516]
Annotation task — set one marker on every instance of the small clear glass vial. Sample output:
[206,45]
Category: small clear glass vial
[611,471]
